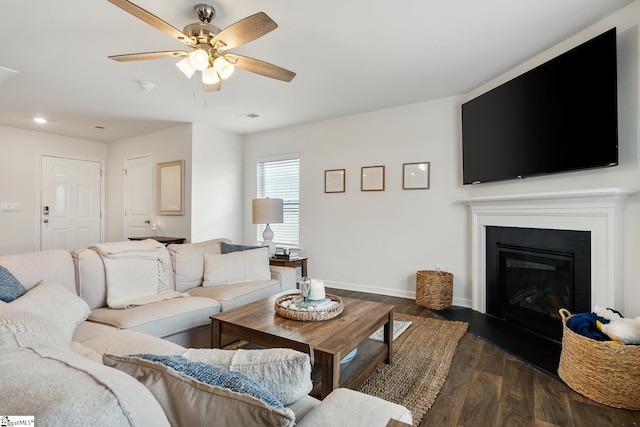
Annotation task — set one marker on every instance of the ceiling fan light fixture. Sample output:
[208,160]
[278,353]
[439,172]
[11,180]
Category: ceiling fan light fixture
[210,76]
[186,67]
[209,45]
[199,59]
[223,67]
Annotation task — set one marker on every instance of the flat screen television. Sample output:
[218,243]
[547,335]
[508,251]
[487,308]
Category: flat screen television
[560,116]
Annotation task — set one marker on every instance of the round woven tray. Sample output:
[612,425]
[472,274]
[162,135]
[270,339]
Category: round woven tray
[307,315]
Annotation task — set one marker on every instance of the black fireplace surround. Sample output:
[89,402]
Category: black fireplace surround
[532,273]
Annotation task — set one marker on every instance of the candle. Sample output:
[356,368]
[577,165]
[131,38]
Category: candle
[317,290]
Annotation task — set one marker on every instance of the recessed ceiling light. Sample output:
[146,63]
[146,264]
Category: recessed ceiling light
[40,120]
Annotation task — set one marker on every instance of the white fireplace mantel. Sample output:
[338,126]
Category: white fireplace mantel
[599,211]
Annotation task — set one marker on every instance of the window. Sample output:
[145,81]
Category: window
[279,179]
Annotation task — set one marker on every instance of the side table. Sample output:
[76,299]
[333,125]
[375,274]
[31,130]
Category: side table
[298,262]
[162,239]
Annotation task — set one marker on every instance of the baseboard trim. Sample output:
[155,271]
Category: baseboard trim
[400,293]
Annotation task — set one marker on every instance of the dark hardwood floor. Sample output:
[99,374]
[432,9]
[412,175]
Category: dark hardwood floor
[489,387]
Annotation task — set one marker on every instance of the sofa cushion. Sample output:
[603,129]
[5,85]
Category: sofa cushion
[56,304]
[59,387]
[188,262]
[88,329]
[123,342]
[286,373]
[162,318]
[303,406]
[237,294]
[30,268]
[227,248]
[92,284]
[195,394]
[236,267]
[86,352]
[10,287]
[134,270]
[345,407]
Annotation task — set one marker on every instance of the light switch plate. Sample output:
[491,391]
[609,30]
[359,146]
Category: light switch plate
[10,207]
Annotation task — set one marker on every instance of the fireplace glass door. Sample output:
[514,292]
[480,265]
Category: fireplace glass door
[534,284]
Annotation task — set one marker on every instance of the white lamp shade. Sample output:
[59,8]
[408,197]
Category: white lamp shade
[223,67]
[267,211]
[186,67]
[199,59]
[210,76]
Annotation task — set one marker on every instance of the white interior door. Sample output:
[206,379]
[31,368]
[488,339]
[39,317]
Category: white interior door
[70,203]
[138,196]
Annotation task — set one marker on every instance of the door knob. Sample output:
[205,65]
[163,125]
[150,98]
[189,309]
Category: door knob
[148,221]
[45,220]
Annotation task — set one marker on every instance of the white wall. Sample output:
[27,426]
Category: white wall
[216,209]
[375,241]
[627,173]
[165,145]
[20,180]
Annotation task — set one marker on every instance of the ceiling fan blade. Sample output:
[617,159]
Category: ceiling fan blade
[143,56]
[261,67]
[244,31]
[152,20]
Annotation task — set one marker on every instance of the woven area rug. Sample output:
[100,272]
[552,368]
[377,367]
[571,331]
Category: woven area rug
[421,361]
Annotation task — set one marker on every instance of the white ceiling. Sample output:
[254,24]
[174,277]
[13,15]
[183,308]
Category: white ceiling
[350,56]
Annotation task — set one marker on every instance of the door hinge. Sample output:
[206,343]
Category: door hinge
[125,212]
[100,173]
[125,171]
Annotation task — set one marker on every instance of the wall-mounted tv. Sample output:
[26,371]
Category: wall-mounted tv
[560,116]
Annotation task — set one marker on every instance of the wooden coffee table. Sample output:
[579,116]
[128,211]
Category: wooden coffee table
[329,340]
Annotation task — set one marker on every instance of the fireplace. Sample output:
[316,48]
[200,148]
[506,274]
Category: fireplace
[600,212]
[532,273]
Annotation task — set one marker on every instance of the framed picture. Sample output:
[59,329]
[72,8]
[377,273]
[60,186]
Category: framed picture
[334,180]
[372,178]
[415,176]
[170,181]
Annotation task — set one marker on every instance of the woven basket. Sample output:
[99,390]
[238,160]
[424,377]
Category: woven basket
[604,372]
[434,289]
[307,315]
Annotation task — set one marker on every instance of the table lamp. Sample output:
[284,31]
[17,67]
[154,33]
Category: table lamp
[267,211]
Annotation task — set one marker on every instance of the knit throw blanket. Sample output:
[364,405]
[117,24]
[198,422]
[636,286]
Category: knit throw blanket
[137,272]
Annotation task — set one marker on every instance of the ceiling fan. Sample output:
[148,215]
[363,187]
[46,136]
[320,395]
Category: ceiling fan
[209,45]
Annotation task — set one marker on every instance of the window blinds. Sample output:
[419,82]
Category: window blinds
[280,179]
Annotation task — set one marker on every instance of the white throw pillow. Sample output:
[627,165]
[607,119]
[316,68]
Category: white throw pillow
[236,267]
[284,372]
[56,304]
[195,394]
[19,328]
[188,262]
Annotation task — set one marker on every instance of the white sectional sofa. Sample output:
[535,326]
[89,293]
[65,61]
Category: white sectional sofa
[65,355]
[184,321]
